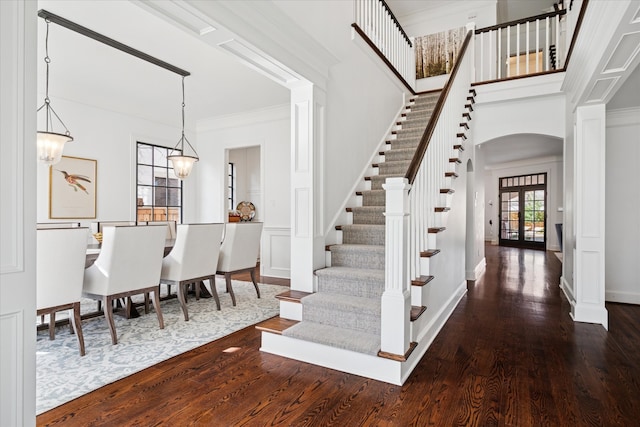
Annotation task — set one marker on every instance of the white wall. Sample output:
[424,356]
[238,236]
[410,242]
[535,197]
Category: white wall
[361,108]
[622,245]
[110,138]
[452,15]
[553,168]
[268,132]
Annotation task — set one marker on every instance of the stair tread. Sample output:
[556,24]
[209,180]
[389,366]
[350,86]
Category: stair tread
[422,280]
[347,339]
[356,247]
[276,325]
[416,311]
[370,274]
[292,296]
[429,253]
[341,303]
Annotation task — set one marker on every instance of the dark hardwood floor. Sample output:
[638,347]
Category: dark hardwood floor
[510,355]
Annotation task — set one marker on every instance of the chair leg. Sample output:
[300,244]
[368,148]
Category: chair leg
[253,279]
[52,325]
[146,303]
[156,306]
[108,314]
[77,326]
[214,291]
[182,292]
[227,277]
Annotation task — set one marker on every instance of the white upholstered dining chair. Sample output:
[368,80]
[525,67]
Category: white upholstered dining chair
[239,252]
[129,263]
[193,258]
[60,262]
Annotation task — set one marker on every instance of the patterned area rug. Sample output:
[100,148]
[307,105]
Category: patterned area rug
[62,375]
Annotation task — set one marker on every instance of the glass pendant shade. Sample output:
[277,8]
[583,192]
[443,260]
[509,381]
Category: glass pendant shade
[182,165]
[50,146]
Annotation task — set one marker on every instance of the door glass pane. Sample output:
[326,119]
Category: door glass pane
[509,215]
[145,175]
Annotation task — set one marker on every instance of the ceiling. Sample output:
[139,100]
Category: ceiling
[514,148]
[506,10]
[88,72]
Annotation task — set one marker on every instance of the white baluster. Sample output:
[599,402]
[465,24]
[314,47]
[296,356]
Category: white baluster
[527,50]
[537,45]
[546,50]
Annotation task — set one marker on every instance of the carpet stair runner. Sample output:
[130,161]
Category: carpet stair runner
[345,311]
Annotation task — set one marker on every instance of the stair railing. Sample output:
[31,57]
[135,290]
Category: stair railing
[518,48]
[411,202]
[378,26]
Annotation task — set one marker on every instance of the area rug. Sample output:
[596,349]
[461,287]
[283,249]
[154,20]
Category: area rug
[62,375]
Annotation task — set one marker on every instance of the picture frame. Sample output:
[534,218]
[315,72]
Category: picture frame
[72,188]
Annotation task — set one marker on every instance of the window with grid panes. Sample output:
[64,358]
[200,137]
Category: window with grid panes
[159,191]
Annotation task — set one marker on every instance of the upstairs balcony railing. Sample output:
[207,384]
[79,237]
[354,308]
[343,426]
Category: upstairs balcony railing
[527,46]
[377,25]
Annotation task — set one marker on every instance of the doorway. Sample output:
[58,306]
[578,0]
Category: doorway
[523,212]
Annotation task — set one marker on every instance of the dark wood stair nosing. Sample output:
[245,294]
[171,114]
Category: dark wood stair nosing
[455,160]
[434,230]
[467,116]
[416,311]
[429,253]
[275,325]
[471,99]
[442,209]
[469,107]
[447,191]
[292,295]
[458,147]
[451,174]
[461,135]
[472,91]
[422,280]
[464,125]
[399,357]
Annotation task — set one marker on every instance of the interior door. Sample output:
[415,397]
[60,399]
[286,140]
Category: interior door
[523,211]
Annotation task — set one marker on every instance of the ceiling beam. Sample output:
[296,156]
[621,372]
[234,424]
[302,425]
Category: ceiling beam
[48,16]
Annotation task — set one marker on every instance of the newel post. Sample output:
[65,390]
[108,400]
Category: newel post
[396,299]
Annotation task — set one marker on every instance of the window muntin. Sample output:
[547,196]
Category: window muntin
[159,191]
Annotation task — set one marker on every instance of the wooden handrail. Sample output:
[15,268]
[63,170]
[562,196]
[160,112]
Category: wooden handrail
[428,132]
[521,21]
[373,46]
[406,37]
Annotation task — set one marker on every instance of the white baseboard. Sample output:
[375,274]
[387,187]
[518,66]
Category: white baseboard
[622,297]
[478,270]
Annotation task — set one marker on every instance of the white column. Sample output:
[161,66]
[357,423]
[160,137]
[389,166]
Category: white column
[307,223]
[396,299]
[589,216]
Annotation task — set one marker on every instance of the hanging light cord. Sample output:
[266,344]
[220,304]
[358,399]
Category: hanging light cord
[183,137]
[47,101]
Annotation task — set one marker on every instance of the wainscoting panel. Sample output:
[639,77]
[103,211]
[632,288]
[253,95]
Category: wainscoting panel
[11,366]
[275,259]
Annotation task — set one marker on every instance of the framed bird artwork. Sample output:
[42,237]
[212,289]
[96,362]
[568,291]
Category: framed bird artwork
[72,188]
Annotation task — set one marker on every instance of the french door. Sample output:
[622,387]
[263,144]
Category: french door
[523,213]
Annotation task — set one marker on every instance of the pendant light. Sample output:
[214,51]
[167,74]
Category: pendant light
[50,143]
[182,163]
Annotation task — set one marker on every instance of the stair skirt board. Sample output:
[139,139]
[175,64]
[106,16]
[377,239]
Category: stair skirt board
[365,365]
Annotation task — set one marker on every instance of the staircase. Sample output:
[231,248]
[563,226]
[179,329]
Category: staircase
[345,311]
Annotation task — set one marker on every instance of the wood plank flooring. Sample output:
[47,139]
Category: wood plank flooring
[510,355]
